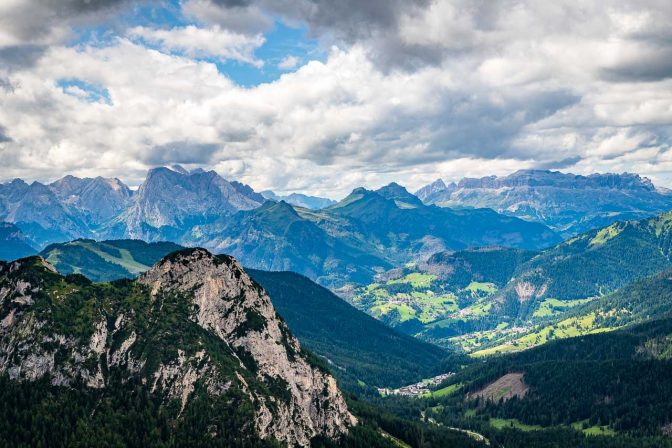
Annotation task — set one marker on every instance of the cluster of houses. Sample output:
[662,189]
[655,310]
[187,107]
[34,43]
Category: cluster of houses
[414,390]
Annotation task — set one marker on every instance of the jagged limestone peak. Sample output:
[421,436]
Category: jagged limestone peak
[194,327]
[229,303]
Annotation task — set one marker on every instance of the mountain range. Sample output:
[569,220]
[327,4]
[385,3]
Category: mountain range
[536,341]
[300,200]
[359,348]
[567,203]
[166,202]
[365,233]
[344,243]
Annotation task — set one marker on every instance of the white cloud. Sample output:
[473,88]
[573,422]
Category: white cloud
[502,87]
[248,20]
[288,63]
[196,42]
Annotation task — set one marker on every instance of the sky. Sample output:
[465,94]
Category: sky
[322,96]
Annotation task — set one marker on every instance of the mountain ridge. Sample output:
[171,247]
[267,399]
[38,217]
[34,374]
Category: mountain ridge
[194,327]
[569,204]
[300,200]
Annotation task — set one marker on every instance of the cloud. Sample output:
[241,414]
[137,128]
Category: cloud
[288,63]
[15,57]
[407,91]
[4,138]
[183,152]
[198,42]
[239,16]
[42,22]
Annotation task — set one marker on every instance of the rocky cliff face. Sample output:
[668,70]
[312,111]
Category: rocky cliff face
[177,199]
[228,303]
[194,326]
[543,178]
[39,213]
[96,199]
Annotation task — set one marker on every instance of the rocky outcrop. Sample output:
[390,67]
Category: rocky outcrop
[230,304]
[72,333]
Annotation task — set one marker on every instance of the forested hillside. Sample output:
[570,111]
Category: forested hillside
[603,390]
[359,350]
[103,261]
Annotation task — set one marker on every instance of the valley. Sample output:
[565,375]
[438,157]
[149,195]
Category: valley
[335,224]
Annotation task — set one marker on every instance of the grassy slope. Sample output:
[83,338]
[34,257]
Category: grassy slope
[106,260]
[594,263]
[635,303]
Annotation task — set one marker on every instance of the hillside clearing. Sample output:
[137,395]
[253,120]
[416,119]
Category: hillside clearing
[508,386]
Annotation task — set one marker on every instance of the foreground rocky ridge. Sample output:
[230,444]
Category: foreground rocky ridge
[195,327]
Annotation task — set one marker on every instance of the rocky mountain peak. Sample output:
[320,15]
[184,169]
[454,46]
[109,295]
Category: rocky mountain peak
[170,199]
[395,191]
[230,304]
[360,190]
[429,189]
[179,168]
[181,269]
[95,200]
[194,327]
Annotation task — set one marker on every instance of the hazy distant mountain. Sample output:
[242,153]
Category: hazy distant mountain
[350,241]
[39,213]
[168,203]
[13,244]
[300,200]
[567,203]
[171,201]
[98,200]
[401,224]
[276,237]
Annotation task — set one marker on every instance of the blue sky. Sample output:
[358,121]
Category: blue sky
[281,41]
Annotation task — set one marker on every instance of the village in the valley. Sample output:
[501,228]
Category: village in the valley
[414,390]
